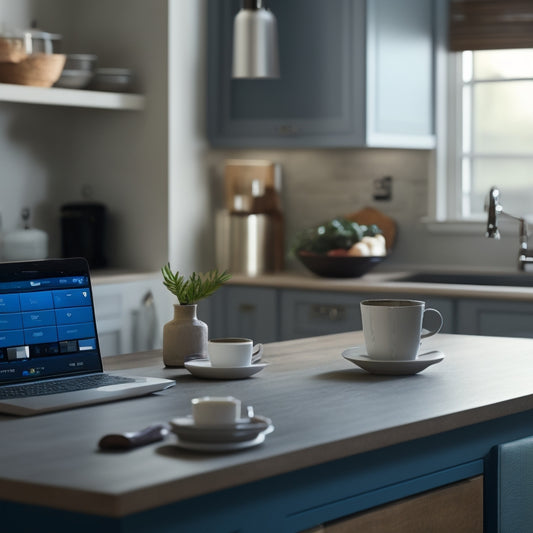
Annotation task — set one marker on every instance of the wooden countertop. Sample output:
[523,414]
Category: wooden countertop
[381,283]
[323,408]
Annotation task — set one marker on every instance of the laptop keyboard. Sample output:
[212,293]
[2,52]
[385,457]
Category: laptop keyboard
[44,388]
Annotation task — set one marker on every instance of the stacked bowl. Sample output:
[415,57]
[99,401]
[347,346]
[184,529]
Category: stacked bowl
[78,71]
[118,80]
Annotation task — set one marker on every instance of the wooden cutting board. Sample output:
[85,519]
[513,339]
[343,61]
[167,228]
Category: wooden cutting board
[369,215]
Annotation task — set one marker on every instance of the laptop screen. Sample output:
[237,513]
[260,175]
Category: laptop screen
[47,322]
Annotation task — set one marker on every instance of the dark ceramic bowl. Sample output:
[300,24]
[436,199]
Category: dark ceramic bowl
[339,267]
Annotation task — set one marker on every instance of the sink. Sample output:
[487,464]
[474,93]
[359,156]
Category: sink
[506,280]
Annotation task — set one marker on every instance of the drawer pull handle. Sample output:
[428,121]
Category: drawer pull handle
[289,129]
[330,312]
[246,308]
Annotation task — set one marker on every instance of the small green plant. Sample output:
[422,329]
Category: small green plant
[198,286]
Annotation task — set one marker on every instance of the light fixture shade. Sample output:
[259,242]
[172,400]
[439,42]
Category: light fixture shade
[255,43]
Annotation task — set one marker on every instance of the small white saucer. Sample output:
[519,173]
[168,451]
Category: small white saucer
[358,356]
[219,446]
[202,368]
[244,429]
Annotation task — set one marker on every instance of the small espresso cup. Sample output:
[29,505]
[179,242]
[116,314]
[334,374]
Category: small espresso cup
[393,328]
[230,352]
[215,410]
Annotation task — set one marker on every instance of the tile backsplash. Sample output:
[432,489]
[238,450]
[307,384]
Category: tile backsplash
[321,184]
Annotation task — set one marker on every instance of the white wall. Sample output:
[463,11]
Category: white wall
[123,155]
[189,209]
[14,14]
[31,146]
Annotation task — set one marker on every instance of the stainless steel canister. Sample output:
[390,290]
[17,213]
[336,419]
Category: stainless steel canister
[249,244]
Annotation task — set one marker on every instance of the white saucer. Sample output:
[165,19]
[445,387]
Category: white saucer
[245,429]
[202,368]
[358,356]
[220,446]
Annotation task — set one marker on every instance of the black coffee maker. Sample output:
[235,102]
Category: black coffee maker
[83,227]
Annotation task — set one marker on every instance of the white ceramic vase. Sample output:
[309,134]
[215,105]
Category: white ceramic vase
[184,337]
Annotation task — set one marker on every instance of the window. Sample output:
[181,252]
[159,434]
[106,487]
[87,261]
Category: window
[486,133]
[490,133]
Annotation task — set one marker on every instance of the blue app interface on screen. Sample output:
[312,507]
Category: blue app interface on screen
[46,328]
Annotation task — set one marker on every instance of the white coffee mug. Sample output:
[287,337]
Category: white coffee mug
[393,328]
[215,410]
[232,352]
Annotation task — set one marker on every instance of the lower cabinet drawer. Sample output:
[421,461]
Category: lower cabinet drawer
[498,318]
[245,311]
[456,508]
[311,313]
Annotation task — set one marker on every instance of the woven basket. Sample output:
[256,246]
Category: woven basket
[39,70]
[12,49]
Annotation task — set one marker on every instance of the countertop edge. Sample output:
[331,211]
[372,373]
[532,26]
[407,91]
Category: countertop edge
[380,284]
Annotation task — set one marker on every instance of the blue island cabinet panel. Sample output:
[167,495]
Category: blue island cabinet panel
[510,495]
[354,73]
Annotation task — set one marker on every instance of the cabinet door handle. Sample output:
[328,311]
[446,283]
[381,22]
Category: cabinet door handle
[288,129]
[246,308]
[330,312]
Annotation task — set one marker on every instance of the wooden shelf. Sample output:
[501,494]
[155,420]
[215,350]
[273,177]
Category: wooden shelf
[70,97]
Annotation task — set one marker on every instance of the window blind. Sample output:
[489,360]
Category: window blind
[490,24]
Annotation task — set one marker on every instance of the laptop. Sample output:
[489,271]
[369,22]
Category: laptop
[49,353]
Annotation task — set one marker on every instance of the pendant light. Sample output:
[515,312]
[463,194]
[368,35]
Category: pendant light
[255,42]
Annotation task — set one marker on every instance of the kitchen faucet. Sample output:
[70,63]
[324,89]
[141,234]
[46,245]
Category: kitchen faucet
[494,209]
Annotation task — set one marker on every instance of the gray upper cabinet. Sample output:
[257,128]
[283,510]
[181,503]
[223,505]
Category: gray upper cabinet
[400,54]
[354,73]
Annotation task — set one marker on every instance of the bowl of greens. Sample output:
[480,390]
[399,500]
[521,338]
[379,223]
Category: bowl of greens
[340,248]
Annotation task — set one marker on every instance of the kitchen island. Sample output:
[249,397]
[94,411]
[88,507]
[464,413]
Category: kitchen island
[345,442]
